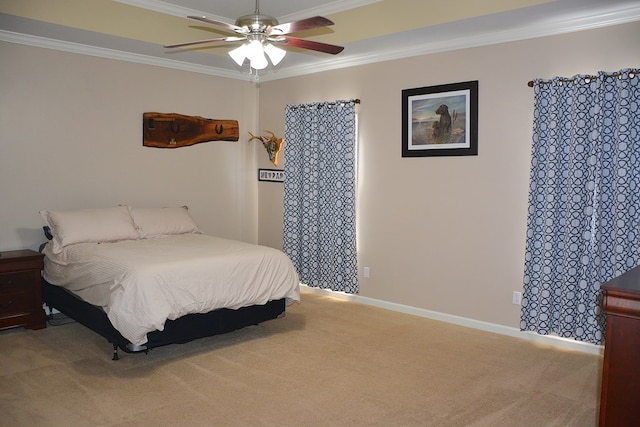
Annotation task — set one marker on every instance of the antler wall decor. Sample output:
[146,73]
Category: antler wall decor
[272,144]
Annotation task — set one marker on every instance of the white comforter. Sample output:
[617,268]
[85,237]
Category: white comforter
[142,283]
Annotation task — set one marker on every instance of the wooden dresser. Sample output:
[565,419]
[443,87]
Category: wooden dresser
[620,395]
[20,290]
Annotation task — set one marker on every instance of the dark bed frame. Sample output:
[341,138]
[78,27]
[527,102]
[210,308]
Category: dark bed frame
[182,330]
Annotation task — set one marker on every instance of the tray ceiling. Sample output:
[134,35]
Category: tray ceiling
[370,30]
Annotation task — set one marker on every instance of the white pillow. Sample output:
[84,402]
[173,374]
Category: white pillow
[163,221]
[89,226]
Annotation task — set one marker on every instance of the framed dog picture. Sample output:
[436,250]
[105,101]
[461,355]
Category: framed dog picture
[440,120]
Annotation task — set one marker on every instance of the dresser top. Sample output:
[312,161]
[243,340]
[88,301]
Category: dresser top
[628,282]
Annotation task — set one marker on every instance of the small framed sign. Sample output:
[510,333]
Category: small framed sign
[272,175]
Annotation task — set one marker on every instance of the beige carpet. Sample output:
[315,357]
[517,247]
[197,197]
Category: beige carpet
[327,363]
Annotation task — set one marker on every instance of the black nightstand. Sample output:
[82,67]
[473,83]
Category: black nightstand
[20,289]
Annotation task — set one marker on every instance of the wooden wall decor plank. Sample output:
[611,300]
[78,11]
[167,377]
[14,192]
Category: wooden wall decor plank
[171,130]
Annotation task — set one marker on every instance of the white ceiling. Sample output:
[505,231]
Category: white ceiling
[370,30]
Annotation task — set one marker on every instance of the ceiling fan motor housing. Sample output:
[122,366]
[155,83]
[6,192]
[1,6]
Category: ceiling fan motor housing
[257,23]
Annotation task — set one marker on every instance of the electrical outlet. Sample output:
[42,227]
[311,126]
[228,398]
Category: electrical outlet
[517,297]
[365,272]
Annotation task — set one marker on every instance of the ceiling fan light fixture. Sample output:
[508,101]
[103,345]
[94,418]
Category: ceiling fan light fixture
[255,53]
[239,54]
[275,53]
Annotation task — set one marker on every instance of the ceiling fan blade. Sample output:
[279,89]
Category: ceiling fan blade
[308,44]
[220,24]
[220,39]
[303,24]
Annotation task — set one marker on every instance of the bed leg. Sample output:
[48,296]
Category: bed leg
[115,352]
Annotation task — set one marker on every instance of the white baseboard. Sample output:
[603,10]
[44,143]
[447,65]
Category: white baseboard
[554,341]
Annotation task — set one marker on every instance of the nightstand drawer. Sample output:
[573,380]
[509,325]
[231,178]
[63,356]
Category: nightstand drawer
[15,303]
[20,289]
[15,282]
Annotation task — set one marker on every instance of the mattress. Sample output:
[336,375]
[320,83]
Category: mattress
[140,284]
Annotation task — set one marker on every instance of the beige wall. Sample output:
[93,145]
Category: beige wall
[445,234]
[71,138]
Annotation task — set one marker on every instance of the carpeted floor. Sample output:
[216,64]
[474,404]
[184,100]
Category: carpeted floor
[327,363]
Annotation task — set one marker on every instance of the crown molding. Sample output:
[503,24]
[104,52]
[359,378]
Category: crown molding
[327,9]
[172,9]
[82,49]
[616,17]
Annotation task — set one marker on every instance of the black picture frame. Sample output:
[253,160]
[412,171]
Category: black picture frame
[271,175]
[440,120]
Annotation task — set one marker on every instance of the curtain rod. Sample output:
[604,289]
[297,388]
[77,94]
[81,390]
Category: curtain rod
[355,101]
[329,104]
[587,78]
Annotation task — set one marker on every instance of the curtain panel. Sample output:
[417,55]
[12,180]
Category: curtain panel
[583,225]
[320,194]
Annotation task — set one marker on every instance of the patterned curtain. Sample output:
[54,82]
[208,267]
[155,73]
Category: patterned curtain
[584,200]
[320,194]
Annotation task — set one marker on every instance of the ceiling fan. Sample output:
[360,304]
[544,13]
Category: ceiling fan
[263,34]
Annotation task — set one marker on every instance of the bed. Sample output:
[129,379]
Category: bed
[147,277]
